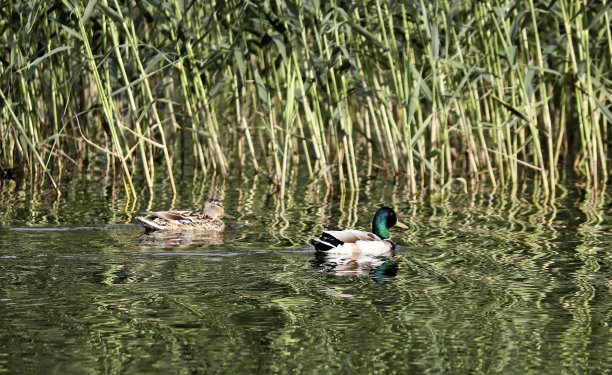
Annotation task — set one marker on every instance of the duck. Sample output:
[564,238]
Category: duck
[208,218]
[354,243]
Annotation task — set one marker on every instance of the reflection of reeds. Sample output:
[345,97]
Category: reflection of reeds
[431,91]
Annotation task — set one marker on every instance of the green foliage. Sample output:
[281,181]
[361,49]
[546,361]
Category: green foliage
[431,91]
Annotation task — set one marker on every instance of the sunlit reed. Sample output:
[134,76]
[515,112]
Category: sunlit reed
[436,93]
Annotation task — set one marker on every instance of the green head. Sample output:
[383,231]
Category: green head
[384,219]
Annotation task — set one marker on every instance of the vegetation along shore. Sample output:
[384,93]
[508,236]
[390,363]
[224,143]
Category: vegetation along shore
[438,94]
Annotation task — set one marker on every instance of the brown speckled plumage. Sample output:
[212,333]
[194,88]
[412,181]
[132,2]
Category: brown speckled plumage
[207,219]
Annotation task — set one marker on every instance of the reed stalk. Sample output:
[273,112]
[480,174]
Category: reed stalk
[431,91]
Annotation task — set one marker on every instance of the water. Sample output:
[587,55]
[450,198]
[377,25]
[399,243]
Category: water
[479,285]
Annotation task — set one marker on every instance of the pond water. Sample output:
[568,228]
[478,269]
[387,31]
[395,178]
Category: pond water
[479,285]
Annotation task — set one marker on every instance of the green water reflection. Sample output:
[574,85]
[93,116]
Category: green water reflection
[479,286]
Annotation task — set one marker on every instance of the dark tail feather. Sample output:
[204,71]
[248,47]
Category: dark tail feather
[149,225]
[320,245]
[325,242]
[328,238]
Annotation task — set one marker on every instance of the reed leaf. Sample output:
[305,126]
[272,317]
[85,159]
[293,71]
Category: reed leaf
[490,86]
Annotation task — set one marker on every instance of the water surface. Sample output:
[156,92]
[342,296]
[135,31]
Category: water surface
[479,285]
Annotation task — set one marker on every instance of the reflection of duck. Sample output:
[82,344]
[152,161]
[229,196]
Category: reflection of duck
[177,239]
[377,267]
[207,219]
[356,242]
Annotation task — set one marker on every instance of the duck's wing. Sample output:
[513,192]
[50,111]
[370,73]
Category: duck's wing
[160,220]
[180,216]
[349,236]
[347,240]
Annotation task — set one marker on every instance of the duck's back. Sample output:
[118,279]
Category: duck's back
[179,220]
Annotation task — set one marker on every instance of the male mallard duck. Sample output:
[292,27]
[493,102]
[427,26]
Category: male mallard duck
[207,219]
[356,242]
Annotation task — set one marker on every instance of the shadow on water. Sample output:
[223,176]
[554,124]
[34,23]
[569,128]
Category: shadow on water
[478,285]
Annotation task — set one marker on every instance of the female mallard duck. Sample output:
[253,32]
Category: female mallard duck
[356,242]
[207,219]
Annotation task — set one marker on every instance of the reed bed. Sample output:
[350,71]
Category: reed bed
[433,93]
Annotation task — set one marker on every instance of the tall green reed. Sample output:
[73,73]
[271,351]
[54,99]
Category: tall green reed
[429,92]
